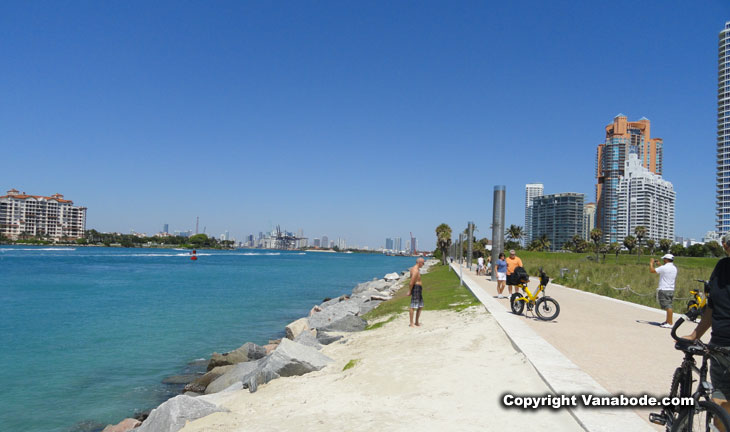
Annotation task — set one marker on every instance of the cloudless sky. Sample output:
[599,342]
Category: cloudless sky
[360,120]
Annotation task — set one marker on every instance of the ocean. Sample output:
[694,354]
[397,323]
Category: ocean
[88,334]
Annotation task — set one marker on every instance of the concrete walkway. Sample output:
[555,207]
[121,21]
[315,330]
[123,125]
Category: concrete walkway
[596,345]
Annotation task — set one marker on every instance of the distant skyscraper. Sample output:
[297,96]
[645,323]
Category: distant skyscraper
[645,199]
[532,190]
[316,242]
[227,236]
[414,245]
[722,221]
[622,138]
[325,242]
[398,244]
[166,229]
[589,220]
[389,243]
[559,217]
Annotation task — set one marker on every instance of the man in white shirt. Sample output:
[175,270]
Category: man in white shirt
[480,265]
[665,292]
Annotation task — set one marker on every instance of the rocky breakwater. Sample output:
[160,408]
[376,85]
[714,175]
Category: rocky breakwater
[252,365]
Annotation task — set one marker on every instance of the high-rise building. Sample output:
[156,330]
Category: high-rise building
[559,217]
[622,138]
[166,228]
[722,220]
[398,244]
[388,243]
[414,245]
[316,242]
[34,215]
[532,190]
[644,199]
[325,242]
[589,220]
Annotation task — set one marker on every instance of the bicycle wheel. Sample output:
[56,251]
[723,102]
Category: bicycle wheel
[516,304]
[705,416]
[547,308]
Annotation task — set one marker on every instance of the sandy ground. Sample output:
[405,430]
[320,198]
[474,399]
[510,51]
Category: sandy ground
[448,374]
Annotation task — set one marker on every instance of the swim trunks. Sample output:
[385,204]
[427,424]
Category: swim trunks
[417,297]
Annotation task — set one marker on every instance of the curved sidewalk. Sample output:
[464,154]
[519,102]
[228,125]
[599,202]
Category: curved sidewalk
[597,345]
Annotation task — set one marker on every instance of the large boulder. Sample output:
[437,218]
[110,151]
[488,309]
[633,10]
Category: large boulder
[181,379]
[391,277]
[294,329]
[291,358]
[326,339]
[172,415]
[370,305]
[200,384]
[238,373]
[334,301]
[378,285]
[247,352]
[348,323]
[308,339]
[334,313]
[125,425]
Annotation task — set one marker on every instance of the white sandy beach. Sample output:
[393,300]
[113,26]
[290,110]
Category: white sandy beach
[448,374]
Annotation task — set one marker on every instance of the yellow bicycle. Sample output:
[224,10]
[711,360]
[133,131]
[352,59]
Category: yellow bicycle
[547,308]
[698,302]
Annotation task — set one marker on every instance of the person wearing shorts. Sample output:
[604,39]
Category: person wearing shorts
[480,265]
[717,316]
[415,290]
[665,292]
[501,275]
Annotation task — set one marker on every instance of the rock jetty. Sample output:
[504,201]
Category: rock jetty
[252,365]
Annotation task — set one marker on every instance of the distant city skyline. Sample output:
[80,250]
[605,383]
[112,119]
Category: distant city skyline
[201,110]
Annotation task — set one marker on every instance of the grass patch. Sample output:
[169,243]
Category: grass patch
[441,290]
[380,323]
[603,277]
[351,364]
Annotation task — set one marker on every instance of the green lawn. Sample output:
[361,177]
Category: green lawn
[441,290]
[601,277]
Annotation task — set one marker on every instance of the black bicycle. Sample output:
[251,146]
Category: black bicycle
[703,414]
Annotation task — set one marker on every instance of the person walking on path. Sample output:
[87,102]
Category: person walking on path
[415,291]
[501,274]
[665,292]
[512,263]
[717,316]
[480,265]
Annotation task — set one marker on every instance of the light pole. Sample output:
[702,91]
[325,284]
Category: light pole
[497,225]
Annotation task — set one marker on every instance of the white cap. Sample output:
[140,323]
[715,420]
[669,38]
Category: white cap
[668,257]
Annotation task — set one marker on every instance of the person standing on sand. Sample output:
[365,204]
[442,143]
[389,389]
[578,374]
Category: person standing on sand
[415,290]
[665,292]
[512,263]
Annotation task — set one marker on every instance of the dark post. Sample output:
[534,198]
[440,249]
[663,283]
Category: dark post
[469,254]
[497,226]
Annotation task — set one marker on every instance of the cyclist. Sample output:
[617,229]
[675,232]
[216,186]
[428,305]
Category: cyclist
[717,316]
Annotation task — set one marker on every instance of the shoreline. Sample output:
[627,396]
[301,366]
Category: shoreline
[251,365]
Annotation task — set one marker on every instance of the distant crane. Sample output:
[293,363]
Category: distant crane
[285,240]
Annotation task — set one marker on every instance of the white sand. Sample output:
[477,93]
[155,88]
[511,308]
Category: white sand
[447,375]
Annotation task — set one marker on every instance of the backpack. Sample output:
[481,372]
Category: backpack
[519,276]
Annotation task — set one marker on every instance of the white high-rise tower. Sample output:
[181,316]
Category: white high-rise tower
[723,132]
[532,190]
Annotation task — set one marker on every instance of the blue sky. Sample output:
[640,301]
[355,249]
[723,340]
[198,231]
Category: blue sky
[361,120]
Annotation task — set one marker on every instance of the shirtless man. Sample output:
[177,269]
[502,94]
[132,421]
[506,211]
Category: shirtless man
[415,290]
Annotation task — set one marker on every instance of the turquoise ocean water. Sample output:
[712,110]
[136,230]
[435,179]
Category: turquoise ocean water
[88,334]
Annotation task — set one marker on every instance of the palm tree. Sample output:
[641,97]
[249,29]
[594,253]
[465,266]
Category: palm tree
[596,236]
[651,244]
[615,247]
[630,243]
[543,242]
[640,232]
[665,245]
[515,233]
[443,240]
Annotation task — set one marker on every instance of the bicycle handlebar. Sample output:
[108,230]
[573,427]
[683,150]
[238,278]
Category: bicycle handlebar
[679,322]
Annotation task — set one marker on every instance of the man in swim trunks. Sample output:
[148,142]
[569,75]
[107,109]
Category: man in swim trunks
[415,290]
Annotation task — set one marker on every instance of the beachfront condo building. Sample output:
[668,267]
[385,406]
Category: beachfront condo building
[24,216]
[644,199]
[722,220]
[559,217]
[589,220]
[532,190]
[622,138]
